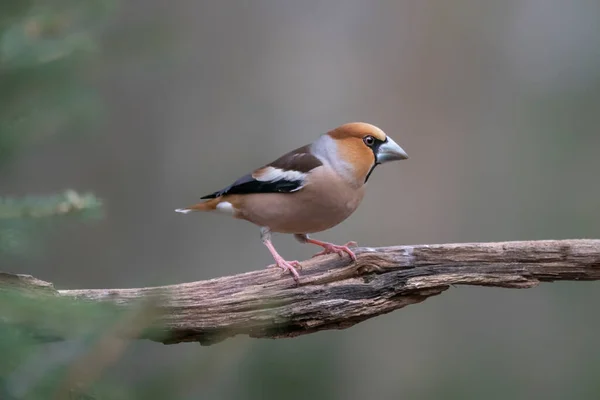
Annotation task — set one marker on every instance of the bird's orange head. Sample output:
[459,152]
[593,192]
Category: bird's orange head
[363,146]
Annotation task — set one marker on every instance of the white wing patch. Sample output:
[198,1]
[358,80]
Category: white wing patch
[225,207]
[272,174]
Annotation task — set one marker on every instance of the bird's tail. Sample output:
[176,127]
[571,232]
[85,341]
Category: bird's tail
[208,205]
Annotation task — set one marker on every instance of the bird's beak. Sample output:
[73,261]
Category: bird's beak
[390,151]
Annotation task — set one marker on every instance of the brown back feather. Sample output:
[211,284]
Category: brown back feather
[300,160]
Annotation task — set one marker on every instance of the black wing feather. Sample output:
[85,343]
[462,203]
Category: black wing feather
[247,185]
[300,160]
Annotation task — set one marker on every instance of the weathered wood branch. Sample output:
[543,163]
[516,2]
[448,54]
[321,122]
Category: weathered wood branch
[333,292]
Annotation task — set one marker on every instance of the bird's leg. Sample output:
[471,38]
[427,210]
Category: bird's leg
[328,248]
[265,236]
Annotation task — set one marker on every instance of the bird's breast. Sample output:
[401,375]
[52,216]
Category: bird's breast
[325,201]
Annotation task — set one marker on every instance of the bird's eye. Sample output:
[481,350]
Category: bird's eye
[369,140]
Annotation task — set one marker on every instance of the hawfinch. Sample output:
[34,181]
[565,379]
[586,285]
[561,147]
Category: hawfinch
[308,190]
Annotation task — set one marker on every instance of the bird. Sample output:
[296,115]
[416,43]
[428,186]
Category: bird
[307,190]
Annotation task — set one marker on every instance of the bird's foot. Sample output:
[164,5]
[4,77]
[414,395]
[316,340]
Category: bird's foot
[289,266]
[329,248]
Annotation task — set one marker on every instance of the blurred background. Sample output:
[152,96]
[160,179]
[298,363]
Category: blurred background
[148,105]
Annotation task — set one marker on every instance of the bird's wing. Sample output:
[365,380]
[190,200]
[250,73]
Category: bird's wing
[284,175]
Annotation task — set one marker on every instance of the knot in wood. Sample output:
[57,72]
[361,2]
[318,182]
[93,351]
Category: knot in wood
[367,269]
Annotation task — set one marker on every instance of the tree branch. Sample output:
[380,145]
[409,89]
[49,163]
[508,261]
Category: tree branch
[333,293]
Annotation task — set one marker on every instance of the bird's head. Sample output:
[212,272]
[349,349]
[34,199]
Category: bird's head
[360,147]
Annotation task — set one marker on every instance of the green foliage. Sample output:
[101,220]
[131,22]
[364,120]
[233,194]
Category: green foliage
[43,45]
[22,220]
[93,331]
[69,202]
[46,48]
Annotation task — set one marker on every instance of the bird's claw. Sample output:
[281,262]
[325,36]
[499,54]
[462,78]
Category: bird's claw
[289,266]
[329,248]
